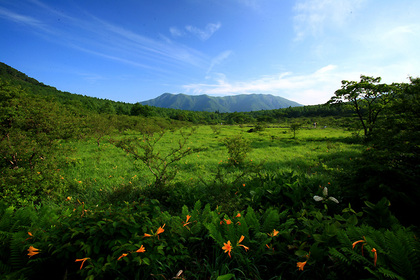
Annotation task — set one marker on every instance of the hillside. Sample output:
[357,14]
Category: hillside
[195,109]
[237,103]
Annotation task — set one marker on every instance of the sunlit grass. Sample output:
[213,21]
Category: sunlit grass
[93,169]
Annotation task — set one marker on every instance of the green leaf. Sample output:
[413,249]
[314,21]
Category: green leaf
[352,220]
[225,277]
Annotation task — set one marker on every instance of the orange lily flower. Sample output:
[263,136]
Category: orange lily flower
[160,229]
[363,244]
[122,256]
[375,257]
[238,215]
[141,249]
[32,251]
[240,240]
[186,221]
[227,247]
[301,265]
[275,232]
[228,222]
[81,260]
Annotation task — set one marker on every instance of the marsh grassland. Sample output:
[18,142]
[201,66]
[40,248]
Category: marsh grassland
[207,202]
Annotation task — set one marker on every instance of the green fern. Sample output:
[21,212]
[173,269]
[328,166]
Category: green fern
[4,268]
[6,219]
[403,253]
[271,220]
[397,250]
[252,220]
[16,256]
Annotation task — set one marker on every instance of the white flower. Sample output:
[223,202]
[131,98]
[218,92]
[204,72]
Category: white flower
[318,198]
[325,194]
[334,199]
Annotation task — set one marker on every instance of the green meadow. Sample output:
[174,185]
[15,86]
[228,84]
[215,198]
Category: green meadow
[89,193]
[314,154]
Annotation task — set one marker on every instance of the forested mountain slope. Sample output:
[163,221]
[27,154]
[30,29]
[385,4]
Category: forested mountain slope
[237,103]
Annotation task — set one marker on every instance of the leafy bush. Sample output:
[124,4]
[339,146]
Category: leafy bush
[238,148]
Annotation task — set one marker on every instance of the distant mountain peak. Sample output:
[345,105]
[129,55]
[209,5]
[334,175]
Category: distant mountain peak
[228,104]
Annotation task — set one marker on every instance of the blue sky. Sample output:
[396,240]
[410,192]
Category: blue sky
[135,50]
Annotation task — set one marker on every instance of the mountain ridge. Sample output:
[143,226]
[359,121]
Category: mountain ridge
[225,104]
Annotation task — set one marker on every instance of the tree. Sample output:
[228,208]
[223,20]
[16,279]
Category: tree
[368,98]
[142,110]
[295,127]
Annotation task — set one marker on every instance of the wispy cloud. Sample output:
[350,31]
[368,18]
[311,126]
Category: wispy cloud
[96,36]
[313,16]
[176,32]
[219,59]
[206,33]
[23,19]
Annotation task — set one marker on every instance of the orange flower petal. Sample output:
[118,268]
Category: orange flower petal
[375,257]
[354,243]
[122,256]
[301,265]
[141,249]
[227,247]
[160,229]
[245,247]
[81,260]
[228,222]
[32,251]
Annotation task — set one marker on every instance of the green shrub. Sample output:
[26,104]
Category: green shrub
[238,148]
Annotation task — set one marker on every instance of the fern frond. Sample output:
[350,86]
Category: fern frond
[215,233]
[271,220]
[16,257]
[6,219]
[252,220]
[338,256]
[403,258]
[4,268]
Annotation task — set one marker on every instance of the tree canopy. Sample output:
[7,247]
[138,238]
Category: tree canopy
[368,98]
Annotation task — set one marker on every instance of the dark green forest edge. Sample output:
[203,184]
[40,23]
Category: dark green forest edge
[345,208]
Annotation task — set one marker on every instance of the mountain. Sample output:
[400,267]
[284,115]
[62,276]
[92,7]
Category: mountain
[229,104]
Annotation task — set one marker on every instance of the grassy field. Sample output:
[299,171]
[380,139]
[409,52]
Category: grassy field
[316,153]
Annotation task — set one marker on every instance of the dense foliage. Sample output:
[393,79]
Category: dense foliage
[95,189]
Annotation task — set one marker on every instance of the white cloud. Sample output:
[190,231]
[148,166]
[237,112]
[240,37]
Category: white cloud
[307,89]
[176,32]
[206,33]
[219,59]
